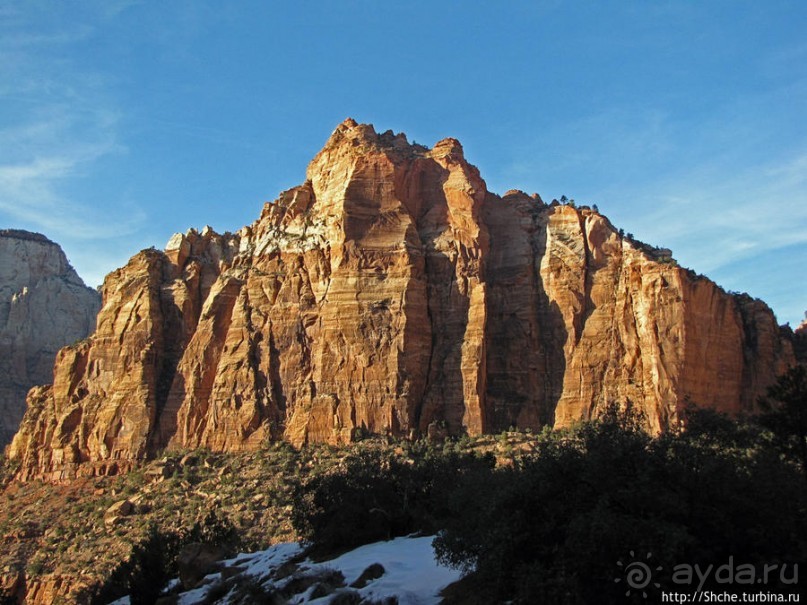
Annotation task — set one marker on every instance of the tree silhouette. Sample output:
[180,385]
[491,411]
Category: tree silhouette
[786,414]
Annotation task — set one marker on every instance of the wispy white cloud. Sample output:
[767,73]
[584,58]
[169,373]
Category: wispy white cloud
[112,8]
[727,192]
[746,230]
[31,192]
[41,158]
[792,173]
[58,126]
[715,218]
[602,144]
[29,40]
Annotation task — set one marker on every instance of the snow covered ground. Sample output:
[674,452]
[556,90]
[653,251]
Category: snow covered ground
[410,574]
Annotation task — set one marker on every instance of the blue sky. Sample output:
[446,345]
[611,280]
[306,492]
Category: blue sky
[122,122]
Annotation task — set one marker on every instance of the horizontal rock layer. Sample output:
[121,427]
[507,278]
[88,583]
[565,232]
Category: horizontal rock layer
[392,293]
[44,306]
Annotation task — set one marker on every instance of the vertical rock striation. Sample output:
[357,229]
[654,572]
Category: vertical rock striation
[392,293]
[44,305]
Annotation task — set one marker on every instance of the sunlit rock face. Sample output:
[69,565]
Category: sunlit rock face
[44,306]
[392,293]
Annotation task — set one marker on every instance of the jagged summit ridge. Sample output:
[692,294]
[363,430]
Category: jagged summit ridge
[392,293]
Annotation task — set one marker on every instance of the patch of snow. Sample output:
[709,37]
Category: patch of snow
[411,573]
[197,595]
[263,562]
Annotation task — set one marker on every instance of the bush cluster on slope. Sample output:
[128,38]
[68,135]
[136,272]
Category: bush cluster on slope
[380,494]
[552,526]
[154,560]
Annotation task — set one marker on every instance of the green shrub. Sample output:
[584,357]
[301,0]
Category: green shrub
[551,528]
[785,414]
[377,495]
[153,560]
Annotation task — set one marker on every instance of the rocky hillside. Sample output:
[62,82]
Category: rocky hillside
[56,542]
[391,293]
[44,306]
[60,543]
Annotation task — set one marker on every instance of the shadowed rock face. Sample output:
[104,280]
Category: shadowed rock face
[391,292]
[44,305]
[800,342]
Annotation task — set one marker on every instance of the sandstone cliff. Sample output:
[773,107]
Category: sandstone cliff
[391,292]
[44,306]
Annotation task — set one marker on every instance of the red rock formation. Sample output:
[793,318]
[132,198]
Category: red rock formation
[53,588]
[391,292]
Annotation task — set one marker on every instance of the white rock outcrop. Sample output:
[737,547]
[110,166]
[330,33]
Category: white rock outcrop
[44,305]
